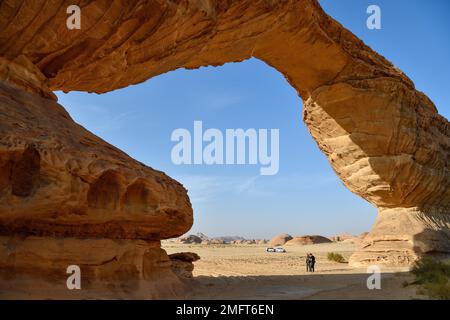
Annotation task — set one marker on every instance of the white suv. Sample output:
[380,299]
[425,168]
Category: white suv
[277,249]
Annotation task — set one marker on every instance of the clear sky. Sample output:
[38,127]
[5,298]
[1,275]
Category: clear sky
[305,197]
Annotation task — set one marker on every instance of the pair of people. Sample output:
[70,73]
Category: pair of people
[310,262]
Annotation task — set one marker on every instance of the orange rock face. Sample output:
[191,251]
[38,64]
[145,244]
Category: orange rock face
[69,198]
[384,139]
[60,180]
[35,267]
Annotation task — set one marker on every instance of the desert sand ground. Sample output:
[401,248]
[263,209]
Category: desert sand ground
[249,272]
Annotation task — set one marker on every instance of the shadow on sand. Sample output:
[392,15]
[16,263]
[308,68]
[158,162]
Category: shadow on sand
[311,286]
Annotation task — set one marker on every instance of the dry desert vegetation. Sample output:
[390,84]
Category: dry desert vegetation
[234,271]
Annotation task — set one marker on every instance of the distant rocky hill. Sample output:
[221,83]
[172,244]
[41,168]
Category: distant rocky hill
[307,239]
[280,239]
[230,239]
[201,238]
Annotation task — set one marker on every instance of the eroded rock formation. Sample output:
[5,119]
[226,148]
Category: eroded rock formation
[36,267]
[69,198]
[182,263]
[191,239]
[280,240]
[384,139]
[305,240]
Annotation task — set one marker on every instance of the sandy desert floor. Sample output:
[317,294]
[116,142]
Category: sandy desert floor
[249,272]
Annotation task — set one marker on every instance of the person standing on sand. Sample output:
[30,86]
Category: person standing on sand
[312,262]
[308,262]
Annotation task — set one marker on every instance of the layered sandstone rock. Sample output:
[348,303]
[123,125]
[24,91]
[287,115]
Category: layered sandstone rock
[59,180]
[69,198]
[384,139]
[36,267]
[305,240]
[182,263]
[280,240]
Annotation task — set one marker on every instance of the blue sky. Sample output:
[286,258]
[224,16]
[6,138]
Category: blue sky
[305,197]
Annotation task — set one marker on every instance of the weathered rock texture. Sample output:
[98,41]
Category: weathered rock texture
[69,198]
[58,179]
[384,139]
[35,267]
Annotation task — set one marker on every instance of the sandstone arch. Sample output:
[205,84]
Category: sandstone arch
[384,139]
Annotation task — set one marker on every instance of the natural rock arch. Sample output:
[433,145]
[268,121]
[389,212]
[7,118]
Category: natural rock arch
[384,139]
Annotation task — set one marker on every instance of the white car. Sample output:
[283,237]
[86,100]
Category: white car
[277,249]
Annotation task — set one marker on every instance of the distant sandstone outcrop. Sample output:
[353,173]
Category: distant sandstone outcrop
[191,239]
[280,240]
[342,237]
[304,240]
